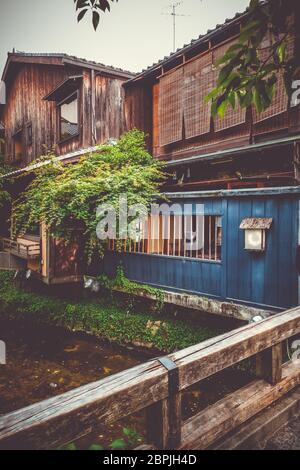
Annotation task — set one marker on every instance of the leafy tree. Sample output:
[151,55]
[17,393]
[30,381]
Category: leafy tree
[66,197]
[246,75]
[4,195]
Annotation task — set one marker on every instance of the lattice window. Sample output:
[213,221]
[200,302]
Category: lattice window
[185,236]
[198,82]
[233,117]
[171,107]
[280,100]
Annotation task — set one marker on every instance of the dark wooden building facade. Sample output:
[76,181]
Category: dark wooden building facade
[242,168]
[167,102]
[59,103]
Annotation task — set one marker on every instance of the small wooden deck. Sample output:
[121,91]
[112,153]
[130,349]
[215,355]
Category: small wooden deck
[26,248]
[157,386]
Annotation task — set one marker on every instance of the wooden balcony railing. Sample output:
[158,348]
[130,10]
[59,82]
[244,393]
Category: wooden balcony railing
[23,248]
[157,386]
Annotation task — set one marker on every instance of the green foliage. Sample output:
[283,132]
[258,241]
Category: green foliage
[96,447]
[103,318]
[246,78]
[95,7]
[4,195]
[129,440]
[122,283]
[66,197]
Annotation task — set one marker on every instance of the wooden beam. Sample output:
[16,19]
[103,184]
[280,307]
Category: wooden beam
[62,419]
[205,304]
[269,364]
[212,424]
[206,359]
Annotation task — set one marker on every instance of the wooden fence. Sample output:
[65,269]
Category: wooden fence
[157,386]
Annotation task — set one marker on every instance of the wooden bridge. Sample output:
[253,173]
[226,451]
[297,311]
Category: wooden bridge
[157,387]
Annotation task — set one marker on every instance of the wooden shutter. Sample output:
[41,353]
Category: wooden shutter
[233,117]
[280,100]
[198,80]
[171,107]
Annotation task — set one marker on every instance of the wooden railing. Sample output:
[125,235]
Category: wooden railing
[25,249]
[62,419]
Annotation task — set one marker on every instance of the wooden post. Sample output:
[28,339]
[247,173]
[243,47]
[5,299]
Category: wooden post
[164,420]
[175,421]
[157,417]
[269,364]
[164,423]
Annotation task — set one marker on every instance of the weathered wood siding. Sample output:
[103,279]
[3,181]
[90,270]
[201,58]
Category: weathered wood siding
[109,108]
[101,110]
[138,110]
[25,106]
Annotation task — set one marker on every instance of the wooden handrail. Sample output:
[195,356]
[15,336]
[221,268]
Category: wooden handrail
[58,420]
[28,251]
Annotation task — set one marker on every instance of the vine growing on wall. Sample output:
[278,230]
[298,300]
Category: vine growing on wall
[65,197]
[123,284]
[4,195]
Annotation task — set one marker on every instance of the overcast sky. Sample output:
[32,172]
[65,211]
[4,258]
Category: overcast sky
[134,35]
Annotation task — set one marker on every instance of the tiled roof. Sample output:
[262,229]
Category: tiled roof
[194,43]
[70,58]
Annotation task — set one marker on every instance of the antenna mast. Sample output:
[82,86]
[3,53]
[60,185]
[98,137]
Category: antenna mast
[173,6]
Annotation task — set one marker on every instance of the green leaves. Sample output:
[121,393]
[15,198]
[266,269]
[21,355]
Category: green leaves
[96,19]
[281,52]
[95,6]
[4,195]
[118,444]
[81,14]
[96,447]
[249,70]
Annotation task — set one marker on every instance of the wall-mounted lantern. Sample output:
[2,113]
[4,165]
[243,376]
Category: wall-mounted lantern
[255,233]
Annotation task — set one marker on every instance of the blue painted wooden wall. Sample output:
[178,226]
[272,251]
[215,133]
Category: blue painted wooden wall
[265,280]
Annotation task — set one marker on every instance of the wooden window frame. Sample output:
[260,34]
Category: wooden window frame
[20,131]
[146,246]
[59,104]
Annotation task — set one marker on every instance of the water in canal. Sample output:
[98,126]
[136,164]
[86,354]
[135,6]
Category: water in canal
[43,362]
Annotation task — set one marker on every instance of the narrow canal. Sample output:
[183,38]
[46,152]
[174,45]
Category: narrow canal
[44,362]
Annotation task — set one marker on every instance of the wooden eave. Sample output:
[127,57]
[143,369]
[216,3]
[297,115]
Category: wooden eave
[65,88]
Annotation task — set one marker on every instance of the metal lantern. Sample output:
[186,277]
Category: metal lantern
[255,233]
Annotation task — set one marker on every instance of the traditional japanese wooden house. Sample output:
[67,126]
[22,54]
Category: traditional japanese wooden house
[55,103]
[243,168]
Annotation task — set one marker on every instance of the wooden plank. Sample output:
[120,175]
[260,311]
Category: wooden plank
[175,421]
[254,433]
[269,364]
[157,424]
[216,421]
[212,356]
[62,419]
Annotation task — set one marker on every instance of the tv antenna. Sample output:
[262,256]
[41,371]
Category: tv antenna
[173,7]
